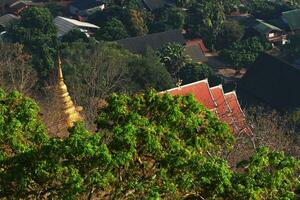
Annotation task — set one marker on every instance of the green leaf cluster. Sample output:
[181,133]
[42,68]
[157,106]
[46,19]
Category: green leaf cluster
[147,146]
[243,53]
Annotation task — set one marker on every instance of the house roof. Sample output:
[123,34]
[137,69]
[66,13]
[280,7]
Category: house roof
[86,4]
[273,81]
[155,4]
[64,25]
[292,18]
[155,41]
[196,50]
[226,106]
[6,19]
[18,6]
[264,28]
[195,53]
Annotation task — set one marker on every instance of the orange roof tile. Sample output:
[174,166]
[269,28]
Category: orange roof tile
[199,89]
[237,113]
[226,106]
[222,110]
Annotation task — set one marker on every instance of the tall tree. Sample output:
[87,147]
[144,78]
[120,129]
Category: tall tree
[136,22]
[243,53]
[149,146]
[174,57]
[147,71]
[205,20]
[113,29]
[37,32]
[231,32]
[194,72]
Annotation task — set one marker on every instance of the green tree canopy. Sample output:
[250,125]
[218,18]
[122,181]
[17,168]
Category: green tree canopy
[147,146]
[114,29]
[266,9]
[195,72]
[136,22]
[245,52]
[20,128]
[147,71]
[174,58]
[231,32]
[37,32]
[169,18]
[205,20]
[74,35]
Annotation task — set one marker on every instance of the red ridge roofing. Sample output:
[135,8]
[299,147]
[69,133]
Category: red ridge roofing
[199,89]
[226,106]
[223,110]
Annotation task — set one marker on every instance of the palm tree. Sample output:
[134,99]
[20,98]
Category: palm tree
[174,57]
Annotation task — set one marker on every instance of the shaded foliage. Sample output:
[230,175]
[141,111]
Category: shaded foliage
[147,146]
[114,29]
[245,52]
[37,32]
[194,72]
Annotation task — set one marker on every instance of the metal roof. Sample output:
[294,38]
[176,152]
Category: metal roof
[155,41]
[64,25]
[7,19]
[292,18]
[264,27]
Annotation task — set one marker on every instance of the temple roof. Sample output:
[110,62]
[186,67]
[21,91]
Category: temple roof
[225,105]
[274,81]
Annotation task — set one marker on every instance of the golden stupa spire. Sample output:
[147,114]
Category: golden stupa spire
[71,112]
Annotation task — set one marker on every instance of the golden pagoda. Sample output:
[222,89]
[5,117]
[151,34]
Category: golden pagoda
[70,111]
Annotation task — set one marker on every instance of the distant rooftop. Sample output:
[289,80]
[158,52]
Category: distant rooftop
[64,25]
[86,4]
[6,19]
[292,18]
[264,28]
[273,81]
[155,41]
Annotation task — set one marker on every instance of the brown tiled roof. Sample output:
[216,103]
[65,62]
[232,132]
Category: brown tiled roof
[226,106]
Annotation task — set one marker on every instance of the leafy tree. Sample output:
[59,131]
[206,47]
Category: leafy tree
[293,3]
[54,8]
[148,146]
[230,5]
[114,29]
[195,72]
[100,18]
[147,71]
[37,32]
[231,32]
[74,35]
[245,52]
[205,20]
[136,22]
[270,175]
[266,9]
[168,19]
[174,58]
[20,129]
